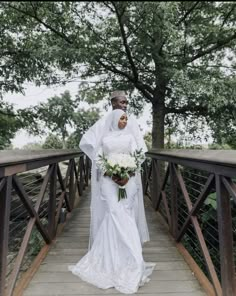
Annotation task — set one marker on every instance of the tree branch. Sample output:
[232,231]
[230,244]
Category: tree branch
[125,42]
[191,109]
[211,66]
[8,114]
[115,70]
[217,45]
[14,52]
[60,34]
[106,3]
[90,26]
[144,88]
[228,15]
[187,13]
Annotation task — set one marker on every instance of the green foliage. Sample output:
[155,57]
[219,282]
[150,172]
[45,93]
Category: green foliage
[10,123]
[216,146]
[223,109]
[174,54]
[211,200]
[148,140]
[82,121]
[36,241]
[72,141]
[52,142]
[27,47]
[32,146]
[178,56]
[56,114]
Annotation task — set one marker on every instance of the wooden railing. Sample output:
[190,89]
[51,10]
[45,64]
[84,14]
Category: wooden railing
[183,186]
[28,213]
[195,192]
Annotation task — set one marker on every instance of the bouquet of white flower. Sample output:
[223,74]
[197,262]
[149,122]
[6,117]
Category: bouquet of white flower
[121,166]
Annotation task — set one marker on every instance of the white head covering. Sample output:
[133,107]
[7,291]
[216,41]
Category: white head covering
[91,140]
[115,118]
[111,127]
[131,128]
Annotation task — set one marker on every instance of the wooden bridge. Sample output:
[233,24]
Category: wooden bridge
[172,274]
[194,252]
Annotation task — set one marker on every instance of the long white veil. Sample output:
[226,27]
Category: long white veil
[97,204]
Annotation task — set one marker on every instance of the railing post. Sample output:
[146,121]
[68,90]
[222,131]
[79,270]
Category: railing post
[155,185]
[72,185]
[144,176]
[81,174]
[87,170]
[225,239]
[5,204]
[52,203]
[174,205]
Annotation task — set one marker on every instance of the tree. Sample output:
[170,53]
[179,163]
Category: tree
[24,55]
[148,140]
[82,120]
[56,115]
[52,142]
[61,112]
[176,55]
[171,52]
[224,125]
[32,146]
[10,123]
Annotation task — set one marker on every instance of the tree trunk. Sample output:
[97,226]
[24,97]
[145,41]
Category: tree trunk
[158,117]
[63,140]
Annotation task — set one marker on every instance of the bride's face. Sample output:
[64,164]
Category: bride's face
[123,121]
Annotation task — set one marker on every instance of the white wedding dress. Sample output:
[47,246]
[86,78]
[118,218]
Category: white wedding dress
[115,258]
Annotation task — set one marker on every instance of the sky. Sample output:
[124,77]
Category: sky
[34,94]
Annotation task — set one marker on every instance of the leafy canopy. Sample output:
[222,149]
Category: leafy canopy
[179,56]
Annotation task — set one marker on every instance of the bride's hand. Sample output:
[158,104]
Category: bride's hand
[120,182]
[131,174]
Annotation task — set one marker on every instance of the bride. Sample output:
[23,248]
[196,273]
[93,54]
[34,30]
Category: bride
[115,256]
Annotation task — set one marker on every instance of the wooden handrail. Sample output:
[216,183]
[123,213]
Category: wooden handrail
[16,162]
[220,168]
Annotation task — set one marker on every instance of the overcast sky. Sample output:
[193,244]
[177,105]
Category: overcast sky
[34,95]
